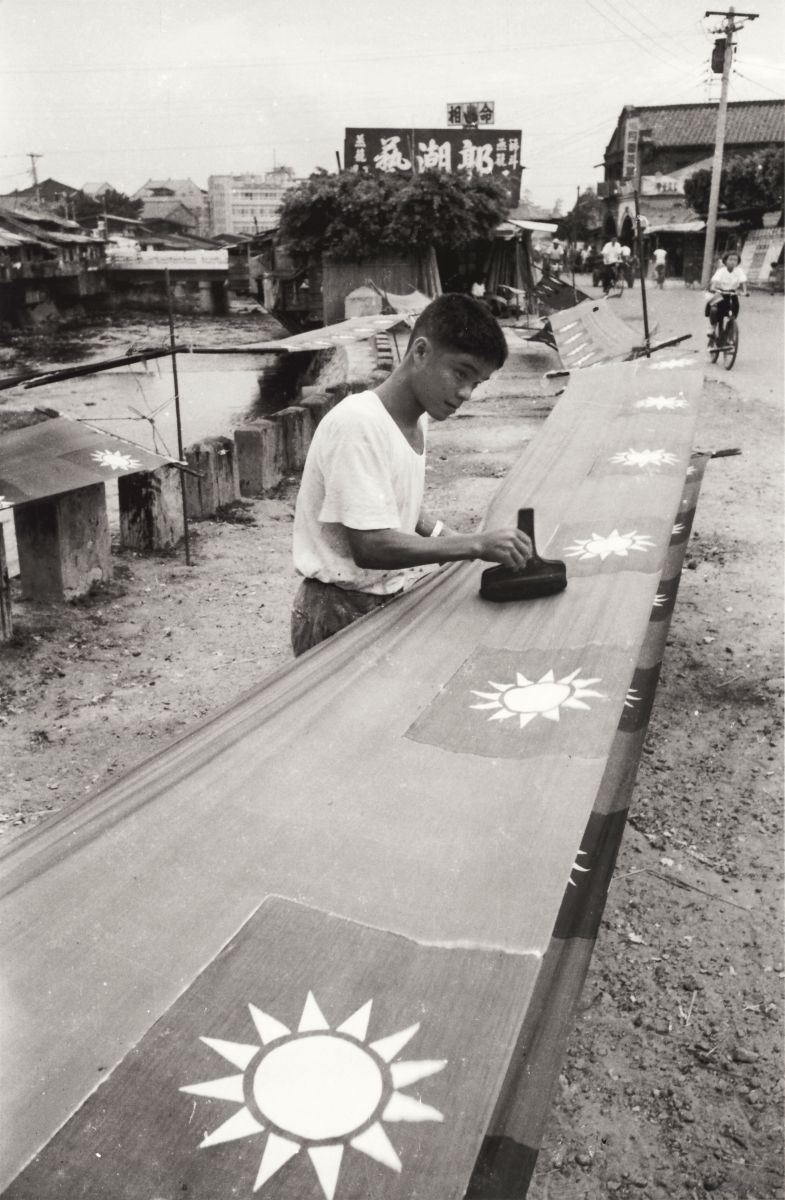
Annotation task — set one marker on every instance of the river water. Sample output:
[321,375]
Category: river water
[217,392]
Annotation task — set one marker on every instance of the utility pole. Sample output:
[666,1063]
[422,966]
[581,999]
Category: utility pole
[34,173]
[729,28]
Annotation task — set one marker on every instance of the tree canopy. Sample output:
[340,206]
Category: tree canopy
[354,216]
[751,181]
[585,220]
[117,204]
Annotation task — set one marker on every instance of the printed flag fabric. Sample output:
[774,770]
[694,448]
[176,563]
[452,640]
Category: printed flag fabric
[328,943]
[509,1154]
[61,455]
[591,333]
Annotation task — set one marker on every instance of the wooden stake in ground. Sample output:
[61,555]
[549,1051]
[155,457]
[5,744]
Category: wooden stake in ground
[173,346]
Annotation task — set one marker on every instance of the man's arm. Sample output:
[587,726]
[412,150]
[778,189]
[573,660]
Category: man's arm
[390,549]
[427,527]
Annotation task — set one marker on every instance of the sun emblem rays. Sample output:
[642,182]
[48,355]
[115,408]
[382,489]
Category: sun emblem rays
[115,459]
[527,699]
[614,543]
[318,1089]
[644,458]
[662,402]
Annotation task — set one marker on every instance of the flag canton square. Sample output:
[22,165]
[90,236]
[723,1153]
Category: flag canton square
[637,543]
[529,703]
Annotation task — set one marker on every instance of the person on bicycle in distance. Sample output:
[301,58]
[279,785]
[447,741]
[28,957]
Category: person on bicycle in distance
[611,257]
[722,297]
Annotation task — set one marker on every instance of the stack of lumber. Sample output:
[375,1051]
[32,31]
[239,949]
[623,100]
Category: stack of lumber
[327,944]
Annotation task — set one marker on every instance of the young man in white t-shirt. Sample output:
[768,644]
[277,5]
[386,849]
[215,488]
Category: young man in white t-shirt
[359,530]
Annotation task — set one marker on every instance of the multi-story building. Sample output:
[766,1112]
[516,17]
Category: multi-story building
[654,149]
[247,204]
[178,202]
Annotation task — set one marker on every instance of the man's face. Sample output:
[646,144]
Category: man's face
[445,379]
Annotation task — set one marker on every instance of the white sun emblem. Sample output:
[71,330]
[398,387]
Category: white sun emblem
[632,698]
[115,459]
[678,528]
[661,402]
[644,458]
[318,1089]
[576,866]
[660,600]
[669,363]
[528,698]
[618,544]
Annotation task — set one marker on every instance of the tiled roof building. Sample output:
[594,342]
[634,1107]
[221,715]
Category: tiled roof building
[670,136]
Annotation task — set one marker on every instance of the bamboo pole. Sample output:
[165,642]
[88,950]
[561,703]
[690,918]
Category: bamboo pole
[173,351]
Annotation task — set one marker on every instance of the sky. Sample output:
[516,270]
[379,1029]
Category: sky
[126,90]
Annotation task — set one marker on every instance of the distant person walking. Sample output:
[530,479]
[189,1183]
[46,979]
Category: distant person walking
[660,265]
[611,257]
[625,264]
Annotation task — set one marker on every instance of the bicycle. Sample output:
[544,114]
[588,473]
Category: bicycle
[724,340]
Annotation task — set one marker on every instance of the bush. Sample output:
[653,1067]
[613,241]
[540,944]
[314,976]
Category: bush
[353,216]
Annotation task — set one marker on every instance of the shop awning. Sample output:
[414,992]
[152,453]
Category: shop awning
[678,227]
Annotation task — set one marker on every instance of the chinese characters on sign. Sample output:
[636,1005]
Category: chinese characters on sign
[475,112]
[410,151]
[631,148]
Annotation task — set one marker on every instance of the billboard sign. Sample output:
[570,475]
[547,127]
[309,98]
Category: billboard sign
[410,151]
[472,112]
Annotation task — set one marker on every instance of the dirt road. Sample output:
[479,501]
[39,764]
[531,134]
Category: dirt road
[672,1081]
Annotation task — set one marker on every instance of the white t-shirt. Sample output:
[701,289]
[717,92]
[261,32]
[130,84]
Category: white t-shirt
[611,253]
[659,257]
[360,471]
[724,280]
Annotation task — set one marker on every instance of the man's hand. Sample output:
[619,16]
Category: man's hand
[510,547]
[390,549]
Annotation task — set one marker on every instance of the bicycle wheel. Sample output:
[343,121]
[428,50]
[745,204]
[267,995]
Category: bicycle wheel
[714,351]
[730,346]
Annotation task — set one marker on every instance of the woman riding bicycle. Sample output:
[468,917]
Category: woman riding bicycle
[722,297]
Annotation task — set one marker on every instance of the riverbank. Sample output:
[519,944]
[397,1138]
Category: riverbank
[671,1085]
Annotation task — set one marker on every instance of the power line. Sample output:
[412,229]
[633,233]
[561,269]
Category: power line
[629,37]
[406,55]
[756,83]
[665,45]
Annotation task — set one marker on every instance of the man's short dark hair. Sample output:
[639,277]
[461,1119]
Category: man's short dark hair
[458,322]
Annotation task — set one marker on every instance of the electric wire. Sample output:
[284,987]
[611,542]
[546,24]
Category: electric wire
[657,41]
[629,37]
[756,83]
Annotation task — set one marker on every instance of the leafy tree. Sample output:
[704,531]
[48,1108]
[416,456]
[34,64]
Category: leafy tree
[354,216]
[751,181]
[585,221]
[117,204]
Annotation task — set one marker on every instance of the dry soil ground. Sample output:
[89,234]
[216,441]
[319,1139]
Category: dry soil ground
[672,1083]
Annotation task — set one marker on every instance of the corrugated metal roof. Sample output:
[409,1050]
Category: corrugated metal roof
[749,121]
[532,226]
[353,330]
[14,239]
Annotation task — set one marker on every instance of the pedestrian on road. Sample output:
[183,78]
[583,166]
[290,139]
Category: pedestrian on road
[360,532]
[660,257]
